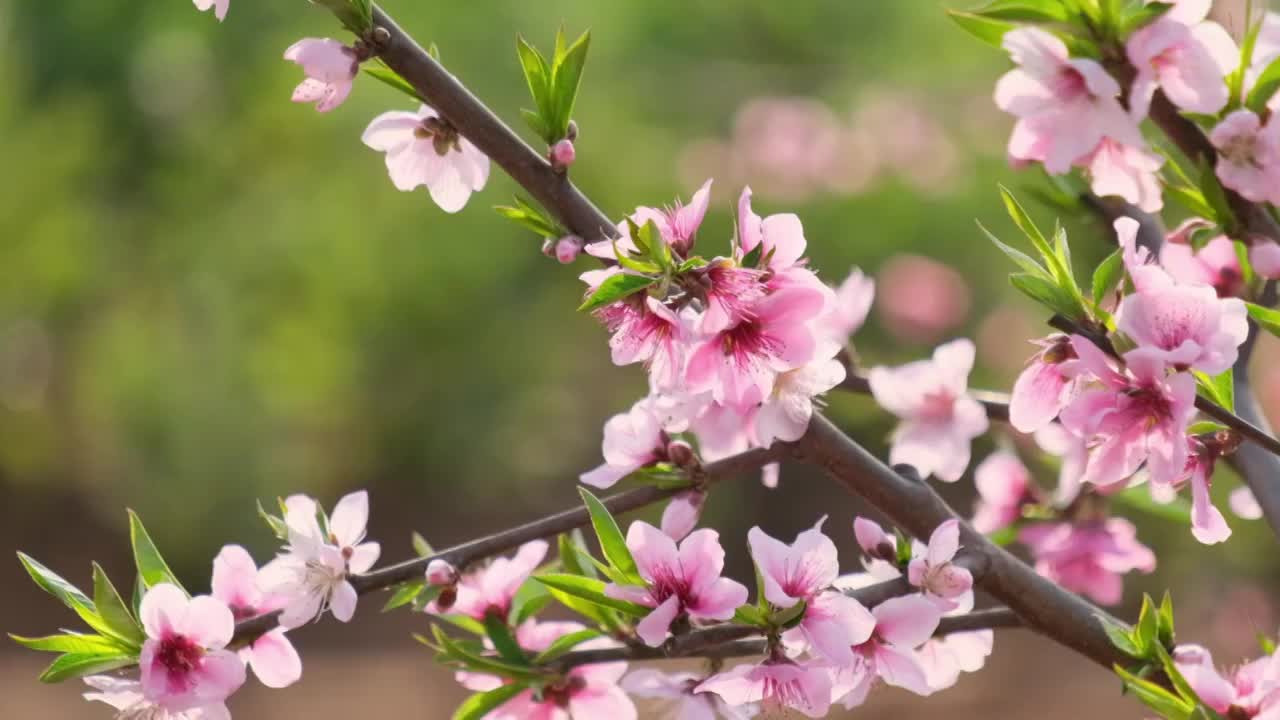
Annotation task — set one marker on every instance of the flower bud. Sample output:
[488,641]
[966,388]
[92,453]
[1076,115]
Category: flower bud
[445,600]
[568,248]
[682,513]
[681,454]
[441,572]
[562,155]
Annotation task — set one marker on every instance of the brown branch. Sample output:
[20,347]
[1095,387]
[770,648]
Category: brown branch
[996,404]
[1151,230]
[470,552]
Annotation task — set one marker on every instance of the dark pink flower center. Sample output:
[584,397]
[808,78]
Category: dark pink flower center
[559,693]
[668,582]
[1150,405]
[747,341]
[243,612]
[179,655]
[937,406]
[1069,84]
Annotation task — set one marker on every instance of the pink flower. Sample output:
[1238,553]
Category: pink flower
[902,624]
[1135,416]
[1088,558]
[1073,453]
[632,440]
[1251,691]
[935,574]
[731,292]
[739,364]
[678,581]
[1044,387]
[785,414]
[643,331]
[938,418]
[1003,488]
[312,572]
[681,515]
[1216,264]
[679,224]
[491,589]
[944,658]
[424,149]
[1207,523]
[442,573]
[330,67]
[777,683]
[781,236]
[849,312]
[183,662]
[1064,106]
[127,697]
[1248,155]
[874,541]
[235,582]
[1184,325]
[1186,57]
[1129,172]
[1244,504]
[220,7]
[677,692]
[1264,256]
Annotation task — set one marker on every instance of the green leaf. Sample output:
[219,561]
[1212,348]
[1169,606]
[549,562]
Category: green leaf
[457,652]
[1218,388]
[73,665]
[1264,87]
[537,74]
[1205,427]
[789,617]
[566,79]
[530,599]
[592,591]
[1019,258]
[612,542]
[406,594]
[69,594]
[503,640]
[572,550]
[1142,15]
[1155,697]
[276,524]
[1175,676]
[535,122]
[532,218]
[73,643]
[1121,637]
[750,615]
[564,644]
[379,71]
[1235,81]
[151,565]
[1052,259]
[614,288]
[1166,634]
[1046,293]
[1139,498]
[1266,644]
[421,547]
[463,622]
[481,704]
[1004,536]
[986,29]
[1107,275]
[1191,199]
[1215,195]
[1148,627]
[114,613]
[1267,318]
[1035,11]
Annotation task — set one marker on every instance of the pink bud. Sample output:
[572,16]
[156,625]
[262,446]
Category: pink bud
[682,513]
[567,249]
[563,155]
[441,572]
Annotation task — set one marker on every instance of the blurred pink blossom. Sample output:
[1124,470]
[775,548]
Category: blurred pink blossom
[921,299]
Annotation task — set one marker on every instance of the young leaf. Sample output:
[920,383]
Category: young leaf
[1052,259]
[69,594]
[1142,15]
[1034,11]
[391,78]
[1166,633]
[458,652]
[1148,627]
[614,288]
[750,615]
[1107,275]
[537,73]
[535,123]
[591,591]
[564,644]
[464,622]
[572,551]
[1192,199]
[1219,388]
[1046,293]
[612,543]
[420,545]
[1264,87]
[503,640]
[481,704]
[566,79]
[1019,258]
[276,524]
[114,613]
[529,601]
[406,594]
[1215,195]
[1267,318]
[151,565]
[73,665]
[1121,637]
[72,643]
[986,29]
[1165,703]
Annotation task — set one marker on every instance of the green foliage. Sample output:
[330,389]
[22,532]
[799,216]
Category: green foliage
[1030,11]
[114,613]
[564,644]
[1140,15]
[987,29]
[75,665]
[504,641]
[529,216]
[379,71]
[612,543]
[1049,281]
[471,657]
[1267,318]
[614,288]
[589,590]
[1220,389]
[151,566]
[481,704]
[554,85]
[1107,275]
[355,15]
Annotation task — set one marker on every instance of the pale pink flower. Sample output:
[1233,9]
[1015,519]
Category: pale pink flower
[312,571]
[1186,57]
[1044,387]
[1140,414]
[1064,106]
[935,573]
[739,364]
[1073,454]
[1250,691]
[681,515]
[491,589]
[781,236]
[1207,523]
[1088,558]
[632,440]
[920,299]
[1185,326]
[235,582]
[184,664]
[678,224]
[730,293]
[1244,504]
[1216,264]
[1126,171]
[127,697]
[684,580]
[423,149]
[778,684]
[1264,256]
[785,414]
[902,625]
[1003,484]
[853,301]
[1248,155]
[643,330]
[676,692]
[330,67]
[220,7]
[944,658]
[939,418]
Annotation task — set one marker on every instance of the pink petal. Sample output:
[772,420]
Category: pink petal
[906,621]
[274,660]
[608,703]
[235,578]
[944,543]
[654,627]
[719,600]
[605,476]
[654,552]
[363,556]
[771,557]
[869,534]
[207,621]
[350,517]
[221,673]
[701,558]
[1037,397]
[681,514]
[901,669]
[784,236]
[1207,524]
[1244,504]
[162,608]
[342,603]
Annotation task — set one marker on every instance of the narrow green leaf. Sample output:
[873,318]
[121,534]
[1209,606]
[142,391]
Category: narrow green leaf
[1165,703]
[531,607]
[391,78]
[406,594]
[1019,258]
[1215,195]
[1191,199]
[790,616]
[421,547]
[614,288]
[1046,293]
[504,641]
[1218,388]
[1267,318]
[612,542]
[1185,691]
[1166,633]
[1205,427]
[1148,627]
[537,73]
[278,528]
[73,643]
[1107,275]
[564,644]
[1235,81]
[566,80]
[463,622]
[151,565]
[1140,16]
[750,615]
[114,613]
[536,123]
[1264,87]
[481,704]
[68,594]
[73,665]
[458,652]
[572,550]
[591,591]
[1121,637]
[1028,227]
[531,217]
[986,29]
[1034,11]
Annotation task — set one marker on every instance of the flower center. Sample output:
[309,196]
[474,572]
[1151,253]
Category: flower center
[560,692]
[1069,84]
[937,406]
[1241,150]
[179,654]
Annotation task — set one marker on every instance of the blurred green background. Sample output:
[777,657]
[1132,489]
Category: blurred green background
[213,296]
